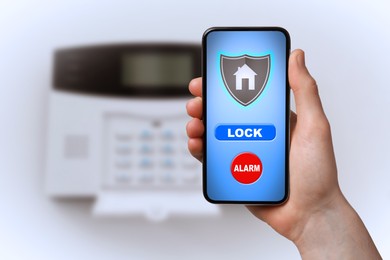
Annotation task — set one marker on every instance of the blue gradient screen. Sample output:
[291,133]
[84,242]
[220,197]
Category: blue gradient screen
[245,84]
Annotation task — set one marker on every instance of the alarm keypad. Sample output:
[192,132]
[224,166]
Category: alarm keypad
[148,153]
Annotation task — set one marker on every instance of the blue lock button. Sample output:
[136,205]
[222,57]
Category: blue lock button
[263,132]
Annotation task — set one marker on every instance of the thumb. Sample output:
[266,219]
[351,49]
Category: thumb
[304,87]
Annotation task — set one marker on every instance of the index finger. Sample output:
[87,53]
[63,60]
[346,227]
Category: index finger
[195,87]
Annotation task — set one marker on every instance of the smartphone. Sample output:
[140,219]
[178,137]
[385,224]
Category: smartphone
[246,115]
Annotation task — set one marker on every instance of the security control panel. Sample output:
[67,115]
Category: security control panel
[116,129]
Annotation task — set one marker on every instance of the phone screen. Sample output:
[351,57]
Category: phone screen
[246,115]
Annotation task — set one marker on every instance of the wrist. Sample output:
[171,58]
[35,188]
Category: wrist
[335,231]
[321,226]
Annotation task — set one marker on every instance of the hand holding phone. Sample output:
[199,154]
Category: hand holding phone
[316,211]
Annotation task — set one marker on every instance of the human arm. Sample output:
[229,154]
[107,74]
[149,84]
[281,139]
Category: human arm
[317,217]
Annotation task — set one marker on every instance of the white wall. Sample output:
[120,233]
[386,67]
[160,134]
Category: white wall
[347,46]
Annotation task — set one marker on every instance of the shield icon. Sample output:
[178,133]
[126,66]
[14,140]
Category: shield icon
[245,76]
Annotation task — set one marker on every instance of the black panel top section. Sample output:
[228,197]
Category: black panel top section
[145,70]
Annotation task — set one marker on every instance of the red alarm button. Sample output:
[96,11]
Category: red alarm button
[246,168]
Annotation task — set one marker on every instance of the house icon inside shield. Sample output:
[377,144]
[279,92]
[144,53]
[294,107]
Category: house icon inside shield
[245,73]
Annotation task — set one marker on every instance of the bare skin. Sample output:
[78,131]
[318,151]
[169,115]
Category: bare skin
[317,217]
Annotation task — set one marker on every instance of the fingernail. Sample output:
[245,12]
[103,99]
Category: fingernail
[301,59]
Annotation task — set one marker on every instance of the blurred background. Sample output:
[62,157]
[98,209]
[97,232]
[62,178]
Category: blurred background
[347,50]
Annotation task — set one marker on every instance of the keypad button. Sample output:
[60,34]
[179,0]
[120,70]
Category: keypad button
[167,163]
[146,177]
[146,135]
[167,149]
[167,178]
[123,164]
[167,135]
[146,149]
[123,149]
[190,177]
[156,123]
[123,137]
[122,177]
[190,163]
[146,163]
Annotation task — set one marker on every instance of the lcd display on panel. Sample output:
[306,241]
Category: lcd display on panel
[156,69]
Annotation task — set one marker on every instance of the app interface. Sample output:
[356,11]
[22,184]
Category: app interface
[246,115]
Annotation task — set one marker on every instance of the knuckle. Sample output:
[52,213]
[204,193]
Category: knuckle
[311,84]
[319,127]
